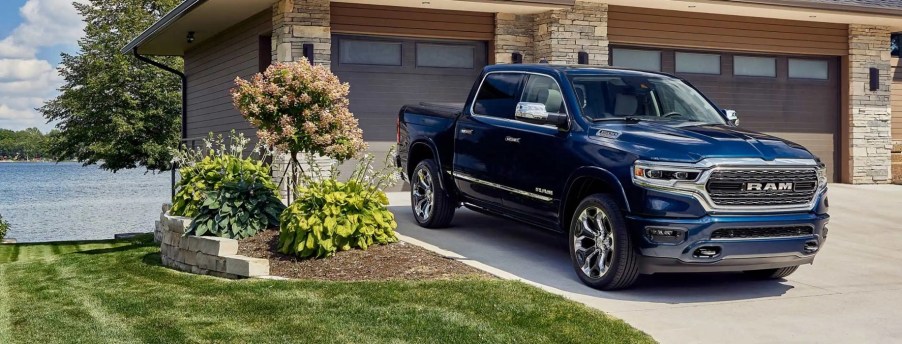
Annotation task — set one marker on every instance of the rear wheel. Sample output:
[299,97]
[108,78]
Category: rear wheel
[432,207]
[600,246]
[772,273]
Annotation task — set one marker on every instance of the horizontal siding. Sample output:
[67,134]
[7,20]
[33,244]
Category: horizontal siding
[412,22]
[211,69]
[633,25]
[896,99]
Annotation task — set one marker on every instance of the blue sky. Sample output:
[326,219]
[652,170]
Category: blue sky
[33,33]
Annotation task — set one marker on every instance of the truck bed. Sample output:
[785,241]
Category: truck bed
[448,110]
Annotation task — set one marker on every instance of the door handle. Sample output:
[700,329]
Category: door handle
[466,131]
[512,139]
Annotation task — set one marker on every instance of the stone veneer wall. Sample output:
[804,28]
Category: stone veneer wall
[514,34]
[561,34]
[204,255]
[871,141]
[296,22]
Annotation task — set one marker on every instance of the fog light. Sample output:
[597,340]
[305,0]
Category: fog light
[707,252]
[811,246]
[665,235]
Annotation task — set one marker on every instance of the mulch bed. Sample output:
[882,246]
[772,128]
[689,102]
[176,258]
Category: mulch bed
[398,261]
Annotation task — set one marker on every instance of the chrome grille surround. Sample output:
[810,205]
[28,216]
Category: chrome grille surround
[725,186]
[699,188]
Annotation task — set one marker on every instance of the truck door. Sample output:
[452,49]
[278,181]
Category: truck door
[540,157]
[481,159]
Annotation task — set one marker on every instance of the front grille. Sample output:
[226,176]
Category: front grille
[732,187]
[762,232]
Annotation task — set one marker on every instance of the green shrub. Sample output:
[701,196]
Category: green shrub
[331,216]
[237,210]
[4,227]
[206,170]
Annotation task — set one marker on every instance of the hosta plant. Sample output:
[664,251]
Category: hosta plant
[206,169]
[331,216]
[237,210]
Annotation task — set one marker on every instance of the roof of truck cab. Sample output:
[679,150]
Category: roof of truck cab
[571,69]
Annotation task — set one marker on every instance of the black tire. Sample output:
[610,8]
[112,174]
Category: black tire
[772,273]
[623,265]
[442,207]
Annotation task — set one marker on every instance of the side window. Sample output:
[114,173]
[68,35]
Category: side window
[544,90]
[498,95]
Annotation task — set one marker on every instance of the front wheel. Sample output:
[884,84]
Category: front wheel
[600,246]
[771,273]
[432,207]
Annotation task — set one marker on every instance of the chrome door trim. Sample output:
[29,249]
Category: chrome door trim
[470,178]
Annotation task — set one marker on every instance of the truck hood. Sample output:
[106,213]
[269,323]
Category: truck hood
[692,141]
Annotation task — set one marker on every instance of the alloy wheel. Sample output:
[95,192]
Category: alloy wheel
[593,242]
[423,194]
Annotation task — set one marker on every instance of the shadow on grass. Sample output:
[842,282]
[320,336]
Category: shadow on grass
[134,245]
[152,259]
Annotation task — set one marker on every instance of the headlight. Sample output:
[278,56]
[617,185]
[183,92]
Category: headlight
[821,174]
[649,174]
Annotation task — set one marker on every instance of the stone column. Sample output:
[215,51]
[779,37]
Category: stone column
[869,110]
[561,34]
[514,34]
[296,22]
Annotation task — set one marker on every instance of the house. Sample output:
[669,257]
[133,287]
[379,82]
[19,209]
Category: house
[818,72]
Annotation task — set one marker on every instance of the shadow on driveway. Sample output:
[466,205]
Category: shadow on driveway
[541,256]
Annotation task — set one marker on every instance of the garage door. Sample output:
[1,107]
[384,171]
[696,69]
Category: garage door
[795,98]
[386,73]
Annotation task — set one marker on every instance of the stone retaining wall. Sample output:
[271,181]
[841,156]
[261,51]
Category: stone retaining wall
[203,255]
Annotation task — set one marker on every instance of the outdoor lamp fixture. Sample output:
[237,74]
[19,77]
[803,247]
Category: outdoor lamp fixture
[190,37]
[874,79]
[516,58]
[308,52]
[543,60]
[582,57]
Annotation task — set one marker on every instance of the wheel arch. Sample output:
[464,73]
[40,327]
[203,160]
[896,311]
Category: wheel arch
[421,150]
[586,181]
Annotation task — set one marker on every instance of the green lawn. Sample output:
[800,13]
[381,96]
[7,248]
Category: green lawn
[103,292]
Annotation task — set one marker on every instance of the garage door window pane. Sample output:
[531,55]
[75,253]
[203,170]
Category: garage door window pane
[808,69]
[755,66]
[697,63]
[370,52]
[638,59]
[445,55]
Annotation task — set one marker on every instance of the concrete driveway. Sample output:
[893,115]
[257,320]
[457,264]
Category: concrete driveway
[852,293]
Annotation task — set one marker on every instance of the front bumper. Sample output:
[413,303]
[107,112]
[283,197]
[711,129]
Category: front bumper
[733,254]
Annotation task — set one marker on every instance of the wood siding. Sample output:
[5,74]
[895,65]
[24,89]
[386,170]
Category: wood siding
[411,22]
[211,69]
[896,99]
[648,27]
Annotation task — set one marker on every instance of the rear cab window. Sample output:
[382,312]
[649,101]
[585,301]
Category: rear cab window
[498,95]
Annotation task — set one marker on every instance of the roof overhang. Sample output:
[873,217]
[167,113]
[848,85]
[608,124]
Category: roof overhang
[206,18]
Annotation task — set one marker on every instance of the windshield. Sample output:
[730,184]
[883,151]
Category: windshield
[609,97]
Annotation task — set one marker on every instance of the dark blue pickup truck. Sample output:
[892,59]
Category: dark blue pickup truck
[642,172]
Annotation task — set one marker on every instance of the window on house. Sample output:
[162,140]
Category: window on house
[638,59]
[755,66]
[498,95]
[445,55]
[369,52]
[808,69]
[697,63]
[265,50]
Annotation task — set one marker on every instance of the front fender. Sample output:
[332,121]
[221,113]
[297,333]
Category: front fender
[604,176]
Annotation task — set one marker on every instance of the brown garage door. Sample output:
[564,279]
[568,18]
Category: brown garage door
[795,98]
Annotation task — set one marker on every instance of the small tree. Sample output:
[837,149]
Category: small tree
[300,108]
[4,226]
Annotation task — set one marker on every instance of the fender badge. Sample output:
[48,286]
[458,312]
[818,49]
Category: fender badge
[608,134]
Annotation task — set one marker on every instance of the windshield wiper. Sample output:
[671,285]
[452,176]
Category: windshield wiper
[627,118]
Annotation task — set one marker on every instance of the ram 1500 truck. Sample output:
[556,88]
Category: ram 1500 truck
[641,171]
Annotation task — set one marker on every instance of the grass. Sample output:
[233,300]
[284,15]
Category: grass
[116,292]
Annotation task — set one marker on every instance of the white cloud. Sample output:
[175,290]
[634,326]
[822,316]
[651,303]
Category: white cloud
[27,81]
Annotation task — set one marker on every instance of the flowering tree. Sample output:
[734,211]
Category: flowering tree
[300,108]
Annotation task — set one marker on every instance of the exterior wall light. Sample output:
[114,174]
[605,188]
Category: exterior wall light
[190,37]
[308,52]
[582,58]
[516,58]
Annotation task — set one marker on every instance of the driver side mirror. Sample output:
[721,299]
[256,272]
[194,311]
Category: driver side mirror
[536,113]
[732,117]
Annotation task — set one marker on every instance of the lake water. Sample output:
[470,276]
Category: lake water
[65,201]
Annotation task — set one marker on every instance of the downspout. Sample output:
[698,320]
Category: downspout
[184,103]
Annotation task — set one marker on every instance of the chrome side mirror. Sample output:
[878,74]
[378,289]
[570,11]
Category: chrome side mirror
[536,113]
[732,117]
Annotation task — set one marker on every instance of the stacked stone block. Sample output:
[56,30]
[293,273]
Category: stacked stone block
[514,34]
[296,22]
[204,255]
[871,141]
[561,34]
